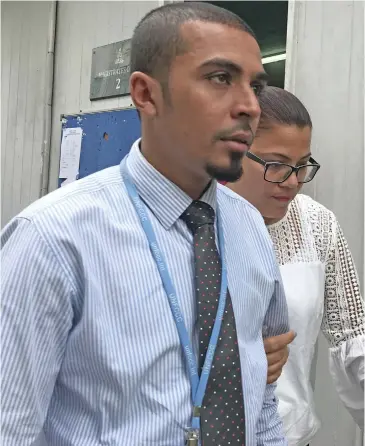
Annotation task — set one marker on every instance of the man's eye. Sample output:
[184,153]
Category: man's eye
[221,78]
[257,88]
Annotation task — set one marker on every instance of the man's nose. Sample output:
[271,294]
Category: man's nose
[246,104]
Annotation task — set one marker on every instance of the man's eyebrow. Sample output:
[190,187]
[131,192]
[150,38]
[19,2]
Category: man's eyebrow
[225,64]
[228,65]
[262,77]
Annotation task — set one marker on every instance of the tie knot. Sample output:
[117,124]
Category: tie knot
[198,214]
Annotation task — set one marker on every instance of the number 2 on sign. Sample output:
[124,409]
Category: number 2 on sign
[118,84]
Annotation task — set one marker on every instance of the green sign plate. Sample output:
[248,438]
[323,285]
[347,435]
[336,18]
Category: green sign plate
[110,70]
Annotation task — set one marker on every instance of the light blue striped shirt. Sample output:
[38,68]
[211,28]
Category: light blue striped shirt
[90,351]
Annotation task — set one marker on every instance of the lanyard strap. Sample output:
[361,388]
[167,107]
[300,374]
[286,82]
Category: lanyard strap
[198,386]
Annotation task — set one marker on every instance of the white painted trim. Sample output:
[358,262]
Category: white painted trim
[363,272]
[360,434]
[93,111]
[291,44]
[275,58]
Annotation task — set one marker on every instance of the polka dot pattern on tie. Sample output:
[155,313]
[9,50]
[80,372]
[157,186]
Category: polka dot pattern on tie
[222,418]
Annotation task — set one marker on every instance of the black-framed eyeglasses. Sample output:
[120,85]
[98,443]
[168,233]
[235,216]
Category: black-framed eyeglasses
[276,172]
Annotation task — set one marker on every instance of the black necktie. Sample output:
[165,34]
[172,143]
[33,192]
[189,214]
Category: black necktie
[222,414]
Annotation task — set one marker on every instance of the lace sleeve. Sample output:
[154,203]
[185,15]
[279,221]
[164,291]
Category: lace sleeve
[344,306]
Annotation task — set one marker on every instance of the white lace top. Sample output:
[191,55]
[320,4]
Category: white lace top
[323,293]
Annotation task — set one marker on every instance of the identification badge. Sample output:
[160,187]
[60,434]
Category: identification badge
[192,438]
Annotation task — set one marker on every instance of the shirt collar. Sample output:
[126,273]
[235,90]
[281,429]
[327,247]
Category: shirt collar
[166,200]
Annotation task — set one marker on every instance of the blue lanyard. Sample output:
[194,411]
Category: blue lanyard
[198,386]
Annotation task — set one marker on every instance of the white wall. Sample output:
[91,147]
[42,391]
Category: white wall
[24,27]
[325,69]
[82,26]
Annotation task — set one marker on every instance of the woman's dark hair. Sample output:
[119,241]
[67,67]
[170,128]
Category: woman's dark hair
[281,107]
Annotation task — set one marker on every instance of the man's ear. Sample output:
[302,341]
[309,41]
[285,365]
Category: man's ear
[145,92]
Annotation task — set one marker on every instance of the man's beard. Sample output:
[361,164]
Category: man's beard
[229,174]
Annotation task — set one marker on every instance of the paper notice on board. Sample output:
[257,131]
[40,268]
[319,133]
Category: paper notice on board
[70,153]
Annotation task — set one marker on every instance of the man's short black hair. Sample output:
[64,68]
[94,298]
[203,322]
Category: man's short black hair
[157,41]
[281,107]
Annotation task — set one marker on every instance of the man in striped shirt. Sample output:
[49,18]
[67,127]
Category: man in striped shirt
[90,348]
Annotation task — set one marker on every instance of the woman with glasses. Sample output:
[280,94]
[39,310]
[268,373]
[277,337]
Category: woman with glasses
[319,275]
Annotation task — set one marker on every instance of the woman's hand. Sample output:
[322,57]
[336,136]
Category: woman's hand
[277,353]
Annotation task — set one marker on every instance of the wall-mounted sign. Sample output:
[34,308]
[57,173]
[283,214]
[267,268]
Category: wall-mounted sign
[110,70]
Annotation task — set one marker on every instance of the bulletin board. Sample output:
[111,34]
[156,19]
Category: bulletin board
[107,137]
